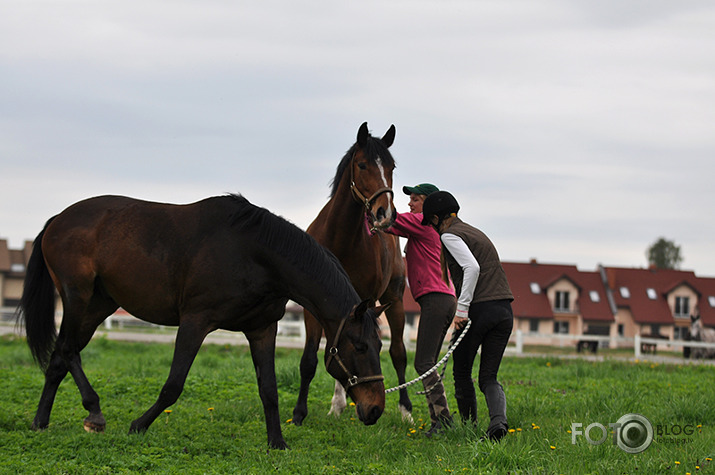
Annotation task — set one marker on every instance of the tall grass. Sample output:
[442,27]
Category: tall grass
[217,425]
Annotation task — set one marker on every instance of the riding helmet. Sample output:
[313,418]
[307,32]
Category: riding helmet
[440,204]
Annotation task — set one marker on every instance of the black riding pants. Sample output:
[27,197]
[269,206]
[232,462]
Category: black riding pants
[491,327]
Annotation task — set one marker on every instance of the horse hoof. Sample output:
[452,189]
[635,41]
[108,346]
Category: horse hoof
[93,427]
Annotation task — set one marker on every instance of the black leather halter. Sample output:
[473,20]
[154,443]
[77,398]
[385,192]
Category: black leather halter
[353,380]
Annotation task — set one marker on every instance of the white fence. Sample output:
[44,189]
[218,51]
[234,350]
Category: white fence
[517,340]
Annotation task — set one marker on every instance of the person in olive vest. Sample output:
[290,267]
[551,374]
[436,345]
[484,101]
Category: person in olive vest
[484,297]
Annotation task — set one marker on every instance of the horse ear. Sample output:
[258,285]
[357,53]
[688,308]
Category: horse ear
[389,136]
[378,310]
[363,134]
[362,308]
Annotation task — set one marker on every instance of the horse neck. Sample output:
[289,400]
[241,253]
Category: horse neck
[342,221]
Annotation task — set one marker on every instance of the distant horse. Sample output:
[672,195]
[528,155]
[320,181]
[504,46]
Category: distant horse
[651,347]
[350,226]
[699,333]
[221,263]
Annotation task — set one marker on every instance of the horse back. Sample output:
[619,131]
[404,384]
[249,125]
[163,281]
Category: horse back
[155,260]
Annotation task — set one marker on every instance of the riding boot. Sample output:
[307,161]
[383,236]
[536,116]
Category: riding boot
[496,403]
[466,401]
[437,404]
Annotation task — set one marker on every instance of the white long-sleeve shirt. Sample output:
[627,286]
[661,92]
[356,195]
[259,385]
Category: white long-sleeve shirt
[466,260]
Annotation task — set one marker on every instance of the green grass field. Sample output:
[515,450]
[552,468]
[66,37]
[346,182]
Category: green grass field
[217,425]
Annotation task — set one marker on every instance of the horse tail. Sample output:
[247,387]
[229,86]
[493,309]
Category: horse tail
[37,305]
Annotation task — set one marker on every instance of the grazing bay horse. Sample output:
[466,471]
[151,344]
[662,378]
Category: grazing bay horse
[350,226]
[220,263]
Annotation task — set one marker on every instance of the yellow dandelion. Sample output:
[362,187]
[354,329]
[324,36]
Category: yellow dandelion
[211,408]
[569,431]
[699,426]
[518,429]
[511,431]
[553,447]
[708,459]
[352,404]
[289,420]
[677,463]
[697,467]
[548,363]
[168,411]
[413,431]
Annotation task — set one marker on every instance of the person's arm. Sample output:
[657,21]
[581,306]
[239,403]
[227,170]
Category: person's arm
[470,268]
[406,224]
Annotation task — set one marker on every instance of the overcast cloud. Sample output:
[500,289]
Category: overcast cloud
[570,131]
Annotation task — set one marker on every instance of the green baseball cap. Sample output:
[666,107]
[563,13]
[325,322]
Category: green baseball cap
[421,189]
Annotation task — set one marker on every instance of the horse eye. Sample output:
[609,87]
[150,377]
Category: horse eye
[362,166]
[361,347]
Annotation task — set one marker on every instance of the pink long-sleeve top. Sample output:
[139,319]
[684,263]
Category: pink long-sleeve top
[422,254]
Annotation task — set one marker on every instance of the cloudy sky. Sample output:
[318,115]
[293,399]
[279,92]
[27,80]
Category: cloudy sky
[571,131]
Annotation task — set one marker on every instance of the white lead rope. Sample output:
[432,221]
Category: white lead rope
[439,363]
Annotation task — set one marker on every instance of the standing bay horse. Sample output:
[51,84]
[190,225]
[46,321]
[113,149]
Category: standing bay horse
[221,263]
[349,225]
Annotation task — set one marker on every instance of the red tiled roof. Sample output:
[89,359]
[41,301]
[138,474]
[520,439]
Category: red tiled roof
[706,287]
[644,308]
[527,304]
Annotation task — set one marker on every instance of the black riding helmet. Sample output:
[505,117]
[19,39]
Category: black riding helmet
[440,204]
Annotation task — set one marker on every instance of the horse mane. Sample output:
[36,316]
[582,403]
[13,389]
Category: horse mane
[374,148]
[296,246]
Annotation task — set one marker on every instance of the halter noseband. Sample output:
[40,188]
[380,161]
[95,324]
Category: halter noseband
[360,197]
[353,380]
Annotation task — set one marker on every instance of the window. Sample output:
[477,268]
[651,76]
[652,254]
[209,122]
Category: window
[651,293]
[595,297]
[533,325]
[682,306]
[561,327]
[680,333]
[711,300]
[625,293]
[621,330]
[535,289]
[561,301]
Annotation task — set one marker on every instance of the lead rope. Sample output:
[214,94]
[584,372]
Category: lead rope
[433,368]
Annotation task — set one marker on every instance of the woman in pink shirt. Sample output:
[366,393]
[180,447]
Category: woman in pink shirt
[435,298]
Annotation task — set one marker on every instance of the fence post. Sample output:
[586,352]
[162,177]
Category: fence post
[637,344]
[108,323]
[519,341]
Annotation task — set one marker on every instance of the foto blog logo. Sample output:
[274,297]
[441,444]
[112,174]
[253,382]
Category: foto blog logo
[632,433]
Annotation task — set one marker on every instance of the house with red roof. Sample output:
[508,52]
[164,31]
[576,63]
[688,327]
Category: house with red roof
[558,299]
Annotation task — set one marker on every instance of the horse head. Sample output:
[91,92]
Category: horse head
[354,361]
[371,172]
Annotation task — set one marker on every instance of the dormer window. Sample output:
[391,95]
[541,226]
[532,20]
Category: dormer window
[711,300]
[651,293]
[625,293]
[17,268]
[682,307]
[561,301]
[535,288]
[595,297]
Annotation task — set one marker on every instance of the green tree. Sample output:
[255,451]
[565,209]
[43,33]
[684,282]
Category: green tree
[664,254]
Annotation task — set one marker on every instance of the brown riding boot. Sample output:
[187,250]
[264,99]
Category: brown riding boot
[437,403]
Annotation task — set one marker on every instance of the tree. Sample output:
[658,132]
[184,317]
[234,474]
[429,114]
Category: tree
[664,254]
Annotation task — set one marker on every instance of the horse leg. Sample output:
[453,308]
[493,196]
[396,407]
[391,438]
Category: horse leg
[398,353]
[263,352]
[74,335]
[308,365]
[339,401]
[189,338]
